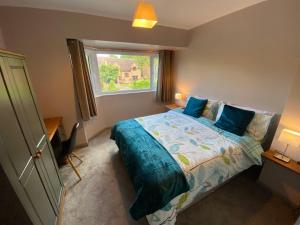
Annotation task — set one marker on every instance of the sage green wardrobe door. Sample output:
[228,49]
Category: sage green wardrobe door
[18,163]
[17,79]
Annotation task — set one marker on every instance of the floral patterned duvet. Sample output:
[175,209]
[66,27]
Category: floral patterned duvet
[208,156]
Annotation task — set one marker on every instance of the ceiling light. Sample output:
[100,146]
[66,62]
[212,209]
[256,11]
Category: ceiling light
[144,16]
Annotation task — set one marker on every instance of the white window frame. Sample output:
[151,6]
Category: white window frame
[94,71]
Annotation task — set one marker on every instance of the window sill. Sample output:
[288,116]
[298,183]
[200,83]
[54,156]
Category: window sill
[123,93]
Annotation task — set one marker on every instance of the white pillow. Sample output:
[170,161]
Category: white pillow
[220,111]
[258,127]
[211,109]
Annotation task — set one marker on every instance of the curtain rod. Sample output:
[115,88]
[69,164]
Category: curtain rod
[119,50]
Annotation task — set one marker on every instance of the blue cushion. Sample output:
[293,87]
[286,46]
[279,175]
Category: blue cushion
[235,120]
[195,107]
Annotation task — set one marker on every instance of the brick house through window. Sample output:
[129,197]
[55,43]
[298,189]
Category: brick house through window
[129,71]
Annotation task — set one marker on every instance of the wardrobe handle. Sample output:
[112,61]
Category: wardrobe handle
[38,154]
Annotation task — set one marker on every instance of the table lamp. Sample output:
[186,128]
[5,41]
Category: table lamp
[288,137]
[178,96]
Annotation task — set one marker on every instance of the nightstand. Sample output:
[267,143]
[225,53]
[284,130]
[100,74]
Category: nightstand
[172,106]
[281,177]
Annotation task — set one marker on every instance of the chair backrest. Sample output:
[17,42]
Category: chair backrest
[71,142]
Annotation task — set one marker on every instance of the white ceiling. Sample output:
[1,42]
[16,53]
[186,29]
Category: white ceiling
[184,14]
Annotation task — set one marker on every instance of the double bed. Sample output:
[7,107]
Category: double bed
[174,159]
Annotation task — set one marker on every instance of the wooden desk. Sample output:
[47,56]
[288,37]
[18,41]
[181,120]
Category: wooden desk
[52,124]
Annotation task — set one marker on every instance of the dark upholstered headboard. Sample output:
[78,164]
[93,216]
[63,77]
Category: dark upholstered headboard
[267,141]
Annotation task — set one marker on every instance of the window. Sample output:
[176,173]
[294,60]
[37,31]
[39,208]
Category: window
[122,72]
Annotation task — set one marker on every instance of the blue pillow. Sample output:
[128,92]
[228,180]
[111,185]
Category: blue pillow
[195,107]
[235,120]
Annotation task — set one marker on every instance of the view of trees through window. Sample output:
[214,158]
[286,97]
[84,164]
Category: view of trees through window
[123,72]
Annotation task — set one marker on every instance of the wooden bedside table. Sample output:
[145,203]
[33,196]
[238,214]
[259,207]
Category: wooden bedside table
[281,177]
[172,106]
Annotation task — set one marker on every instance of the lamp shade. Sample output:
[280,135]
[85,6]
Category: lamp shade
[290,137]
[144,16]
[178,96]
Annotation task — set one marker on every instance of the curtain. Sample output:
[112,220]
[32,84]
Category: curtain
[83,85]
[165,82]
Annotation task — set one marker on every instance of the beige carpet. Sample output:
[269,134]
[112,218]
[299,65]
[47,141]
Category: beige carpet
[105,193]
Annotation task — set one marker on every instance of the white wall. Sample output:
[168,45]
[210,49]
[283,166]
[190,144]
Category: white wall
[291,118]
[112,108]
[249,57]
[41,36]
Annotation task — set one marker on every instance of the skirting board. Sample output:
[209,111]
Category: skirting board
[99,132]
[95,135]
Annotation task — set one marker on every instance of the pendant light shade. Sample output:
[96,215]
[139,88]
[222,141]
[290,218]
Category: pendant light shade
[144,16]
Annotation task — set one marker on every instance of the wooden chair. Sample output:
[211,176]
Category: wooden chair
[68,147]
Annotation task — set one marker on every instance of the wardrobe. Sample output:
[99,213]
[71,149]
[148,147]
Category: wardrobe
[26,156]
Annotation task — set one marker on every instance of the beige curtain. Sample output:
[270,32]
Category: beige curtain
[165,84]
[83,85]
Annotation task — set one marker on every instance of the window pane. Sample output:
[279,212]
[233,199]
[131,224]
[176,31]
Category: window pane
[123,72]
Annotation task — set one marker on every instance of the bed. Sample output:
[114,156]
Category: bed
[174,160]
